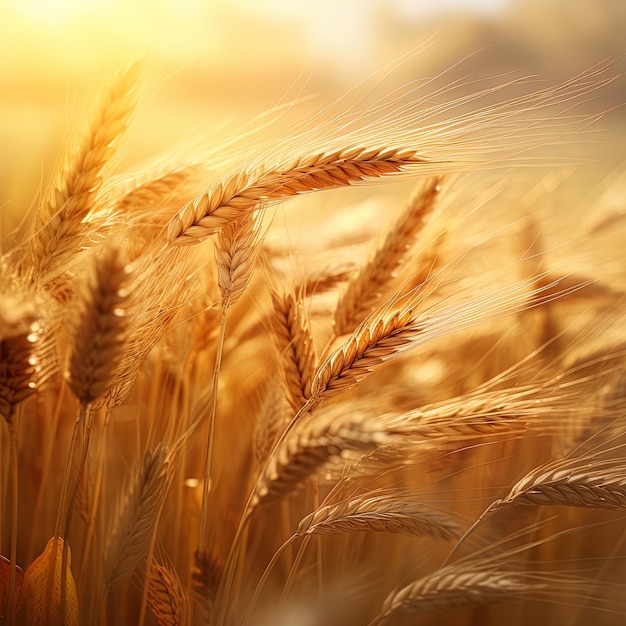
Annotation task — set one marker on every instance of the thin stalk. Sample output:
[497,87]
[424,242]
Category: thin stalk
[87,420]
[294,568]
[4,478]
[82,412]
[239,571]
[318,542]
[286,523]
[54,421]
[144,595]
[209,454]
[265,576]
[100,456]
[13,431]
[233,555]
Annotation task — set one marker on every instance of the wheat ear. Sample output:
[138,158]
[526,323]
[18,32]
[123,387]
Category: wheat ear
[155,188]
[166,596]
[368,286]
[136,515]
[578,482]
[582,482]
[308,446]
[162,283]
[244,191]
[26,360]
[294,342]
[381,514]
[101,332]
[236,250]
[403,323]
[59,224]
[27,354]
[321,281]
[459,586]
[98,341]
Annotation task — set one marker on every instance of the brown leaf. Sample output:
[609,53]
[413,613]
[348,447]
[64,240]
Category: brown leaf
[41,609]
[5,578]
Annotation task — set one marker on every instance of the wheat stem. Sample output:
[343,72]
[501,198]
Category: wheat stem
[266,574]
[204,511]
[13,432]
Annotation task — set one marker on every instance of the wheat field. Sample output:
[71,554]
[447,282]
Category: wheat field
[351,366]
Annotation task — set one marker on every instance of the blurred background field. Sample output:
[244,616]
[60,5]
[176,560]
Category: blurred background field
[213,66]
[215,63]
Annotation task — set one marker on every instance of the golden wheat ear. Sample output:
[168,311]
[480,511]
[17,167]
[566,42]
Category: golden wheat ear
[371,284]
[294,344]
[244,192]
[308,446]
[61,227]
[584,482]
